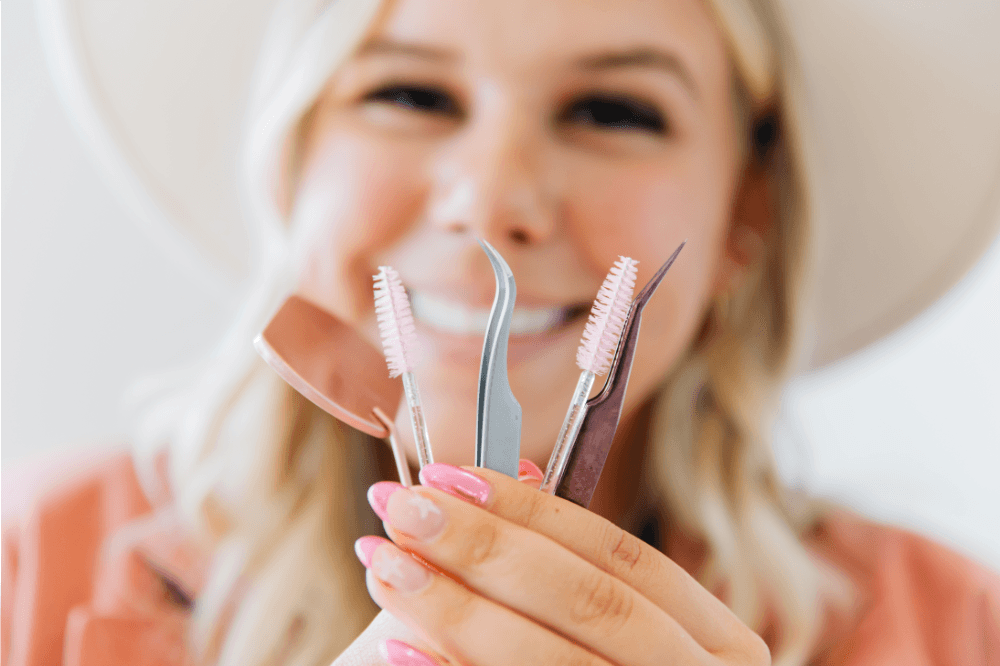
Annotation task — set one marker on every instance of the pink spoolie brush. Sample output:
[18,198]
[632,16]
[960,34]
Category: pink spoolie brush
[597,348]
[395,323]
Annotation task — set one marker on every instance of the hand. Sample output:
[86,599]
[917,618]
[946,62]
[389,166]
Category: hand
[519,577]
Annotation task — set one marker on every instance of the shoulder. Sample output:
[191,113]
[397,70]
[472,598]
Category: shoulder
[916,601]
[63,477]
[57,514]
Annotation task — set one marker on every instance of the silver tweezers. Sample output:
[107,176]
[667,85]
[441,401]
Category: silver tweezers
[498,415]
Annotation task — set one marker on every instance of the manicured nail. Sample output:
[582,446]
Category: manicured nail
[402,572]
[455,481]
[365,547]
[528,470]
[398,653]
[415,515]
[378,496]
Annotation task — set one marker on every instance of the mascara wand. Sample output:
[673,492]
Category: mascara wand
[593,357]
[395,323]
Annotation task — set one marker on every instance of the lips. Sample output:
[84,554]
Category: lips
[458,318]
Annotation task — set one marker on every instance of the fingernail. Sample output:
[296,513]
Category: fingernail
[365,547]
[455,481]
[415,515]
[378,496]
[400,571]
[398,653]
[528,470]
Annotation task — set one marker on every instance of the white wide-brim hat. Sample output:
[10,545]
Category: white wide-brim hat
[900,106]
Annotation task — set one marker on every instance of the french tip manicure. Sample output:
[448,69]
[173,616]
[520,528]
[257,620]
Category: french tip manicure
[365,547]
[455,481]
[378,497]
[527,470]
[398,653]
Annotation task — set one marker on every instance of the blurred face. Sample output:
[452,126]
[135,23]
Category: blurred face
[566,133]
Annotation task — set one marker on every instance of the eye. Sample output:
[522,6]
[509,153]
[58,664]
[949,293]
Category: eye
[417,98]
[615,112]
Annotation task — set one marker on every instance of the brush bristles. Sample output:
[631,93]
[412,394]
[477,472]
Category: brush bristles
[395,321]
[607,317]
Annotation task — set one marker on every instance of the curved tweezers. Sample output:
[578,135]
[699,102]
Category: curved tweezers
[498,417]
[604,410]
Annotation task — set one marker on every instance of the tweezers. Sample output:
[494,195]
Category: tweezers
[586,461]
[498,414]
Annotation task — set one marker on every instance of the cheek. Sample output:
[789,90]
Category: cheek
[357,197]
[645,213]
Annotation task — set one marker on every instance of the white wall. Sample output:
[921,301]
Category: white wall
[89,303]
[908,431]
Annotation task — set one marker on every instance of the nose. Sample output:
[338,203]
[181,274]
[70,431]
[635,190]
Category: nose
[491,181]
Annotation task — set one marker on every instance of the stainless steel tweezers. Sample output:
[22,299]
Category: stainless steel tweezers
[498,416]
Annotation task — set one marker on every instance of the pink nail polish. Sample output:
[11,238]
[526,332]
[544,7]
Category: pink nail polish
[528,470]
[378,496]
[400,571]
[365,547]
[455,481]
[416,515]
[398,653]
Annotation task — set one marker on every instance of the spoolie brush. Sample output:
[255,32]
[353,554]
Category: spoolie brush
[395,323]
[597,348]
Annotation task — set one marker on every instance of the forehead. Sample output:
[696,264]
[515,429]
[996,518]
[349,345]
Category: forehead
[526,34]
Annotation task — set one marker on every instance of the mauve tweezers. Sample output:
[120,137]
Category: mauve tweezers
[590,452]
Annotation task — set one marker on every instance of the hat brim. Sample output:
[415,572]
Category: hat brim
[898,109]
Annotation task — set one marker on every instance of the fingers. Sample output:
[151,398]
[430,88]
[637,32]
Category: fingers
[398,653]
[529,473]
[462,625]
[366,650]
[613,550]
[528,573]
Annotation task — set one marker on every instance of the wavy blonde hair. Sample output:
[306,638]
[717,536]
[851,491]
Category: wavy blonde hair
[275,486]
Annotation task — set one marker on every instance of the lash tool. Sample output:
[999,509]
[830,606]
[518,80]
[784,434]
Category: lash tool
[336,369]
[498,414]
[398,333]
[597,432]
[402,467]
[597,346]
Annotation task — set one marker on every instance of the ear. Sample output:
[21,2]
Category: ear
[753,215]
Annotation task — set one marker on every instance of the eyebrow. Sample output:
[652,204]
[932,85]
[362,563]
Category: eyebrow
[641,57]
[412,49]
[637,57]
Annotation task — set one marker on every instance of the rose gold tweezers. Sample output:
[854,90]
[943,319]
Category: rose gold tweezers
[586,461]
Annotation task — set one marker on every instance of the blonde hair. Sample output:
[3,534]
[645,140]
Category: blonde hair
[276,487]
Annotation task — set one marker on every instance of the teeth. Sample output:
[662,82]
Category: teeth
[452,317]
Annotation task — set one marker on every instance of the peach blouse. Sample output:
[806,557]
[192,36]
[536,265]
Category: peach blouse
[93,575]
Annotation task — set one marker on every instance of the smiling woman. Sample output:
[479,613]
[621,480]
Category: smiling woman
[567,152]
[566,133]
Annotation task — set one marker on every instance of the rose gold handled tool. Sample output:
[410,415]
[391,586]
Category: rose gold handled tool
[326,361]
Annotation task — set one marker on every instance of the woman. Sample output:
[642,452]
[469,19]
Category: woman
[566,133]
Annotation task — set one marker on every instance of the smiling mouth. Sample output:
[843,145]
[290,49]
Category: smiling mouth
[457,318]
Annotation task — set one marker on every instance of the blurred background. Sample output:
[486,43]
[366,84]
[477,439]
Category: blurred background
[908,431]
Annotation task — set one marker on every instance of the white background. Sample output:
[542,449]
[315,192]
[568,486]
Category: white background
[907,431]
